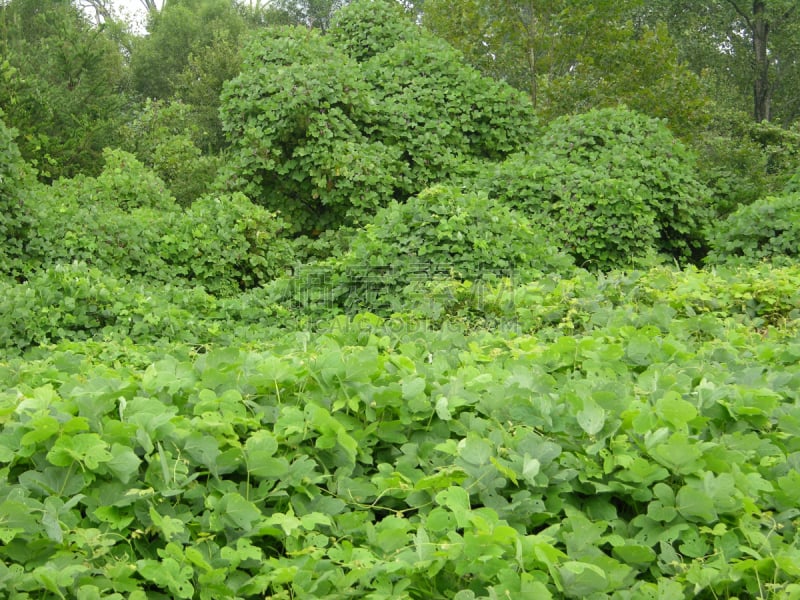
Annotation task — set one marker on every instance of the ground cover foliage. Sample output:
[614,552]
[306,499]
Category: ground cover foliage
[398,340]
[627,435]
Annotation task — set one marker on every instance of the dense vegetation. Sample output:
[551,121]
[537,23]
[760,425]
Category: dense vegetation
[312,301]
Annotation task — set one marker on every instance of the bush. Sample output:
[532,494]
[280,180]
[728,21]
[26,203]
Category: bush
[295,117]
[77,302]
[327,141]
[13,213]
[365,28]
[226,244]
[768,229]
[124,183]
[440,234]
[167,139]
[612,185]
[441,112]
[793,185]
[603,221]
[112,222]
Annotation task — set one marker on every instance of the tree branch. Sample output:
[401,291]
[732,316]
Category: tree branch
[741,13]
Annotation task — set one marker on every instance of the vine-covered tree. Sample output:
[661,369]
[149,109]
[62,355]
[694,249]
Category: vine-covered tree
[328,128]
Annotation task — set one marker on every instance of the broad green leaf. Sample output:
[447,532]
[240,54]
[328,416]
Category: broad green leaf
[89,449]
[457,500]
[581,579]
[695,504]
[124,462]
[236,511]
[42,428]
[443,409]
[634,554]
[474,449]
[591,418]
[169,526]
[675,410]
[168,574]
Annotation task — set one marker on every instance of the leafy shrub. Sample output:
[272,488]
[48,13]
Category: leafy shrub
[630,146]
[124,183]
[295,117]
[768,229]
[124,243]
[441,112]
[793,185]
[77,302]
[612,185]
[226,244]
[13,213]
[327,141]
[442,233]
[365,28]
[741,161]
[166,138]
[602,220]
[113,222]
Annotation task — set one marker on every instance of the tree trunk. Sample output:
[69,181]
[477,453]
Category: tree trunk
[762,91]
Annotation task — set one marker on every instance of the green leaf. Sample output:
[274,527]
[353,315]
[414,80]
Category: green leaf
[634,554]
[457,500]
[237,512]
[591,418]
[474,449]
[675,410]
[89,449]
[169,526]
[695,504]
[124,462]
[168,574]
[581,579]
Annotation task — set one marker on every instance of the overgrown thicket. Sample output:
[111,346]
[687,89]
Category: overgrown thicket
[327,129]
[377,328]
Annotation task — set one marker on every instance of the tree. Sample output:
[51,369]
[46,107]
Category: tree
[328,128]
[65,89]
[316,14]
[181,29]
[571,55]
[750,46]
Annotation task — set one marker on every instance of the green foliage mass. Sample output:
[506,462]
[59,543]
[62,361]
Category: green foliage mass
[295,117]
[125,222]
[767,229]
[64,91]
[327,140]
[174,34]
[443,233]
[13,215]
[366,28]
[639,443]
[742,161]
[226,244]
[612,186]
[169,141]
[77,301]
[442,113]
[793,185]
